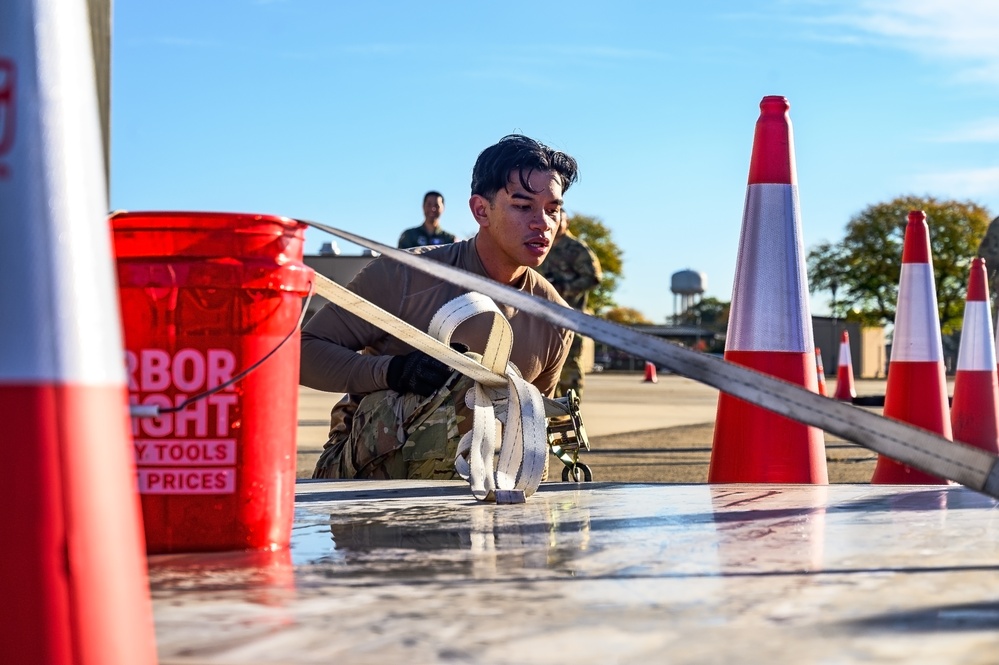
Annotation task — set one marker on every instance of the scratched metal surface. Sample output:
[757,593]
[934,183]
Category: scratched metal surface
[384,572]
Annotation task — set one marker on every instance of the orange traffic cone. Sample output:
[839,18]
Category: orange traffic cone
[917,389]
[650,372]
[820,371]
[770,328]
[974,411]
[845,392]
[72,570]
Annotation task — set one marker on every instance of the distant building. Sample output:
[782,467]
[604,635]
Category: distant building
[341,269]
[867,346]
[692,337]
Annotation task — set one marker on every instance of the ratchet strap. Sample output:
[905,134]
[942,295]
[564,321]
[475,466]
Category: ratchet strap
[916,447]
[501,398]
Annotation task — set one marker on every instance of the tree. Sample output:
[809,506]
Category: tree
[594,233]
[863,270]
[710,313]
[625,315]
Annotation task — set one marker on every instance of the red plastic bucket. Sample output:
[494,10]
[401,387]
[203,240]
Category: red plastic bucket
[204,296]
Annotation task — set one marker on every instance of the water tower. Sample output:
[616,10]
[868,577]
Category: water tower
[688,285]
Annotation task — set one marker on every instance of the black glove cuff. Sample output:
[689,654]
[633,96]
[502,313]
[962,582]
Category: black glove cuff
[416,372]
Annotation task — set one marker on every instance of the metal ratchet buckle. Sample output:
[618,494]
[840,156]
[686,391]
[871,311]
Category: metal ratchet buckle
[566,435]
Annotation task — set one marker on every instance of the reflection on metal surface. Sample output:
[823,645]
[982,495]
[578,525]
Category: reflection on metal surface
[796,532]
[262,574]
[448,538]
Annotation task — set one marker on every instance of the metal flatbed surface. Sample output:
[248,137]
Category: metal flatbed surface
[416,572]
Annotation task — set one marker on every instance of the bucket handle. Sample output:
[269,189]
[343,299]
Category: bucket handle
[154,411]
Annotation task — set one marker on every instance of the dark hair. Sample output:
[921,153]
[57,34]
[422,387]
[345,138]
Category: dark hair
[516,152]
[432,193]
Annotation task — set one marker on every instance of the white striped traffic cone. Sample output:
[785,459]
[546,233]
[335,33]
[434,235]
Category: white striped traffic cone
[820,371]
[770,328]
[845,392]
[650,373]
[917,388]
[974,414]
[73,573]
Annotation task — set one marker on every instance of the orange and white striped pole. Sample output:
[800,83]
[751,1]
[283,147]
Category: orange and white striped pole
[820,371]
[73,571]
[770,327]
[845,392]
[917,388]
[974,413]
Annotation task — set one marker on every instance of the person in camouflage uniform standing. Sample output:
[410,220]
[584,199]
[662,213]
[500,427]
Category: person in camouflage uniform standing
[574,271]
[989,250]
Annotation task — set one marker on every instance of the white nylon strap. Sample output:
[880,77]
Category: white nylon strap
[499,391]
[522,421]
[399,329]
[970,466]
[455,312]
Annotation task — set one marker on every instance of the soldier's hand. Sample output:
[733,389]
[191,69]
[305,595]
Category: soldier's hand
[419,373]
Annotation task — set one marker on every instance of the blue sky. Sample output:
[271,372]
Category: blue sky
[347,112]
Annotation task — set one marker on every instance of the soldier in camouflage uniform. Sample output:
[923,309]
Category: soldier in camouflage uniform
[404,411]
[428,428]
[574,271]
[989,250]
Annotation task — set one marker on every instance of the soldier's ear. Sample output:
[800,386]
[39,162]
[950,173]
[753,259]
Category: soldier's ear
[479,205]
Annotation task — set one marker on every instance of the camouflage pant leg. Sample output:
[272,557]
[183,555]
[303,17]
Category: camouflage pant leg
[395,436]
[572,370]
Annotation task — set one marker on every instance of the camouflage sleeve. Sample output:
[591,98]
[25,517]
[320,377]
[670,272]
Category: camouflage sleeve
[547,380]
[586,273]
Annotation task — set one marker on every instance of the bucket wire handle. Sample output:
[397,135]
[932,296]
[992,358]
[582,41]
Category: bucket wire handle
[154,411]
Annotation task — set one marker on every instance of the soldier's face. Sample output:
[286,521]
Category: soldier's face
[433,208]
[519,225]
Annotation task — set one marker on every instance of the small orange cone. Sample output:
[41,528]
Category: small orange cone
[820,371]
[770,327]
[917,388]
[845,392]
[650,373]
[974,411]
[73,578]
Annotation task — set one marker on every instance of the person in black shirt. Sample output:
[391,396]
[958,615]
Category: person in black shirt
[430,231]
